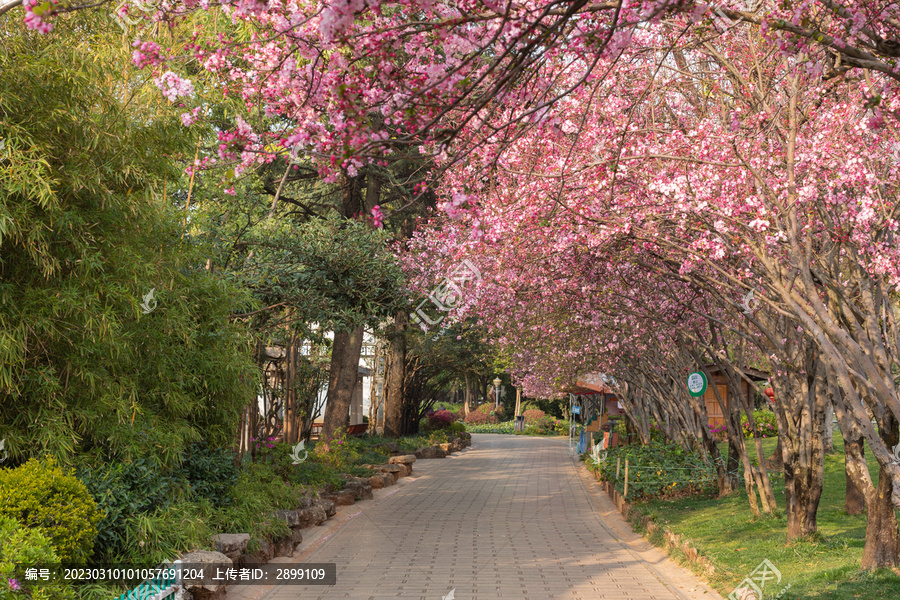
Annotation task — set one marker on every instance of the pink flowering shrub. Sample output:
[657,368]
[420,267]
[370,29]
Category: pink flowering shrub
[719,432]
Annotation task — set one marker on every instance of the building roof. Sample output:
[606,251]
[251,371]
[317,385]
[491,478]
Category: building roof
[752,374]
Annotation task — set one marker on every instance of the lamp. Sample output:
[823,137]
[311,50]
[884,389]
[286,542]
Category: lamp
[496,392]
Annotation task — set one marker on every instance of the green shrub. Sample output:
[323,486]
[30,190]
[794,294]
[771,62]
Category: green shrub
[246,515]
[163,534]
[544,425]
[262,480]
[124,490]
[507,427]
[361,471]
[562,427]
[438,437]
[373,456]
[657,470]
[457,427]
[766,424]
[22,548]
[340,454]
[40,495]
[210,472]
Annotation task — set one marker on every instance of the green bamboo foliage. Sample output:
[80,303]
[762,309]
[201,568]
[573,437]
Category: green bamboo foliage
[89,158]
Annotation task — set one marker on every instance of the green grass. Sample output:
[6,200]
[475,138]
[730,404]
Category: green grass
[826,567]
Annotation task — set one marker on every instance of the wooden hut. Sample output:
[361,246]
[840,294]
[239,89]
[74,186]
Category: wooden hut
[713,409]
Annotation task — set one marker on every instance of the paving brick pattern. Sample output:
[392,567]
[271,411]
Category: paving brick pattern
[507,518]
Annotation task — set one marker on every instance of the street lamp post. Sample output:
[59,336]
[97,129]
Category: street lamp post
[496,392]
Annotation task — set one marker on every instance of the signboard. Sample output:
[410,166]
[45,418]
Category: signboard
[696,384]
[576,410]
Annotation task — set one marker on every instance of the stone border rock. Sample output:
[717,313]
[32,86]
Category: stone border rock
[442,450]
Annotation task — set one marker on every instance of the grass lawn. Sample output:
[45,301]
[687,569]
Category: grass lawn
[826,567]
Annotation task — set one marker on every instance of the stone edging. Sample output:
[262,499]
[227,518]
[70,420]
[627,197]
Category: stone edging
[673,540]
[231,548]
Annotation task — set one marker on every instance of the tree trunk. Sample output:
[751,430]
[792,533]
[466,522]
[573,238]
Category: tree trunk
[484,383]
[733,464]
[631,433]
[293,418]
[854,500]
[802,434]
[466,397]
[341,382]
[393,400]
[829,428]
[776,461]
[882,549]
[803,490]
[723,480]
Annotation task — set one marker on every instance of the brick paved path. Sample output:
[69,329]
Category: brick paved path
[507,518]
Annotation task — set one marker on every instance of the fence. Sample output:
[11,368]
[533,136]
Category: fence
[625,474]
[159,588]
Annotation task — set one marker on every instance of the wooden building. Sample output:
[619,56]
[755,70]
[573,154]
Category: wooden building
[713,409]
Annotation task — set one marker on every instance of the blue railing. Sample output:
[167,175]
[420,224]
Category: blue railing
[159,588]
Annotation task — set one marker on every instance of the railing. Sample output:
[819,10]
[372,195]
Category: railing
[159,588]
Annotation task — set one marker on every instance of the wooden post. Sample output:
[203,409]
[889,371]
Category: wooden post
[618,465]
[626,479]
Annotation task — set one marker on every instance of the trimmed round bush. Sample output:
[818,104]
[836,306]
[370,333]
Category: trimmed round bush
[480,418]
[40,495]
[533,414]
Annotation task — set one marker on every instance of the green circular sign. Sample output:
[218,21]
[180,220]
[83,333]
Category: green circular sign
[696,383]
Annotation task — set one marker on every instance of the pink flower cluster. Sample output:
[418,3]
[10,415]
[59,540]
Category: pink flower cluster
[34,15]
[377,217]
[189,118]
[173,86]
[145,53]
[455,207]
